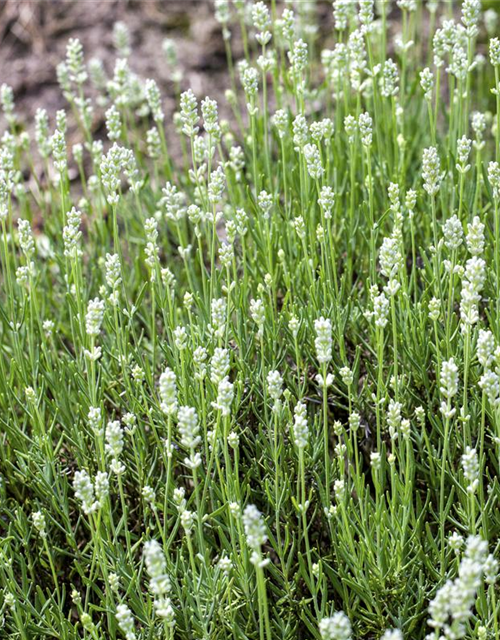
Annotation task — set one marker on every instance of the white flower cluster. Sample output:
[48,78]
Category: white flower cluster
[125,621]
[452,607]
[431,171]
[391,263]
[225,395]
[275,388]
[255,532]
[219,364]
[323,341]
[313,161]
[39,523]
[470,466]
[94,317]
[488,354]
[168,392]
[258,314]
[448,387]
[113,276]
[114,445]
[300,426]
[159,582]
[91,496]
[189,429]
[336,627]
[72,234]
[365,124]
[474,275]
[453,233]
[380,312]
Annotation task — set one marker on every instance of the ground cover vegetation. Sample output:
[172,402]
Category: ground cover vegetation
[250,379]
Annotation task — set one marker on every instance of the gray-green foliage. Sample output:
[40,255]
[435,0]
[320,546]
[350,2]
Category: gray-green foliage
[251,389]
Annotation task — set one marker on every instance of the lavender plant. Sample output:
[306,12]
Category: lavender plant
[250,367]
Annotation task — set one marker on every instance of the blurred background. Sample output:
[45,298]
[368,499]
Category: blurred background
[34,34]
